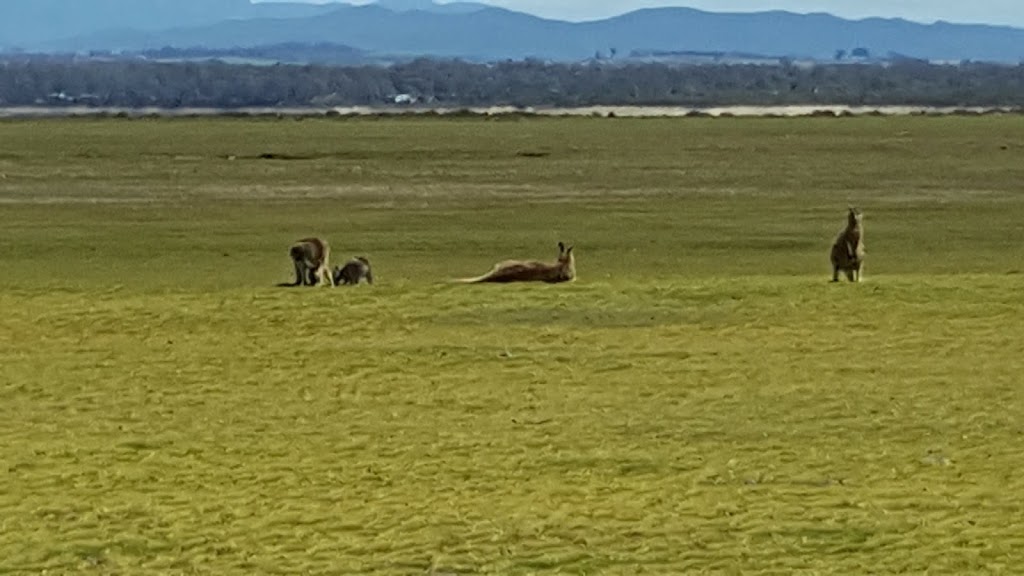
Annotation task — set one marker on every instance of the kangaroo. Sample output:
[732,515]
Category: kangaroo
[353,272]
[848,249]
[311,257]
[562,270]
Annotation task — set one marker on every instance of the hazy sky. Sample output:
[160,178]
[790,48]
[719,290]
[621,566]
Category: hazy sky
[1010,12]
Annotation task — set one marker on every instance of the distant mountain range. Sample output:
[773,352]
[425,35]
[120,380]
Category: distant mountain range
[480,32]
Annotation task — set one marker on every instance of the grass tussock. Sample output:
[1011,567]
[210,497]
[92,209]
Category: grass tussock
[701,400]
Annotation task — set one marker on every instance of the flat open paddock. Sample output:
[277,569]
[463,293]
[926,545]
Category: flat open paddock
[702,399]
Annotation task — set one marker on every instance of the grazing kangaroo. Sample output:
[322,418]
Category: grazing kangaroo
[353,272]
[848,249]
[311,257]
[562,270]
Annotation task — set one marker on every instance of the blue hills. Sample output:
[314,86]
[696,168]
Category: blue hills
[480,32]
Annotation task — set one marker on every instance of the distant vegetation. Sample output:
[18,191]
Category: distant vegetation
[52,81]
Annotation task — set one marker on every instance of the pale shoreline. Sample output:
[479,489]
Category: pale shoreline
[596,111]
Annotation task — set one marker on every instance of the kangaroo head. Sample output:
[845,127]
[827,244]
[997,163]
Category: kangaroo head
[565,257]
[363,260]
[564,253]
[855,216]
[566,260]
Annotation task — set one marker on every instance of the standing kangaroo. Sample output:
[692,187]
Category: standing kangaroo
[562,270]
[311,257]
[848,249]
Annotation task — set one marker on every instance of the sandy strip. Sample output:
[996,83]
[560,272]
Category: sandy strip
[605,111]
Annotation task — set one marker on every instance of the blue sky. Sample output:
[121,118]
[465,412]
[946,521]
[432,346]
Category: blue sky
[1009,12]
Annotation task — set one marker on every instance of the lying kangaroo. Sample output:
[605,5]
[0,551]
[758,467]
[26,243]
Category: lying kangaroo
[562,270]
[353,272]
[848,249]
[311,258]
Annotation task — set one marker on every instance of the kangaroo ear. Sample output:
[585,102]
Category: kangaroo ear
[561,247]
[569,249]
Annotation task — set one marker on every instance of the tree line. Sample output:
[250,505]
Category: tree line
[38,80]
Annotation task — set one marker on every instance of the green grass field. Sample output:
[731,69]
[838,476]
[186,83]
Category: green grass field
[701,400]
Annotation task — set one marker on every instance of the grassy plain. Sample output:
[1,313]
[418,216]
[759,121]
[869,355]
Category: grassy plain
[702,400]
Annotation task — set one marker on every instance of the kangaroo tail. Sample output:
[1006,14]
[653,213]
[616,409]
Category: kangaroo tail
[476,280]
